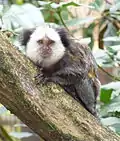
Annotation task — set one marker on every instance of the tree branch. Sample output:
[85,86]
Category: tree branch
[51,113]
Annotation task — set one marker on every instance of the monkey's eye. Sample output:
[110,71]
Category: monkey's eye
[51,42]
[40,41]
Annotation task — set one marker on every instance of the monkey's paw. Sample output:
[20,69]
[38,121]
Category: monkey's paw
[42,79]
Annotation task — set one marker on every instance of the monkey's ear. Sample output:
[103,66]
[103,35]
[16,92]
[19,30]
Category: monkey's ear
[25,36]
[64,35]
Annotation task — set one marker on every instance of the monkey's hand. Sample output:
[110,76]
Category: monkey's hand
[42,79]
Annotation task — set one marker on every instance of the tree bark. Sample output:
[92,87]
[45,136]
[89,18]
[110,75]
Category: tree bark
[47,110]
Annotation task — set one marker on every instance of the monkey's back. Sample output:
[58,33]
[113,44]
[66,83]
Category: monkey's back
[78,75]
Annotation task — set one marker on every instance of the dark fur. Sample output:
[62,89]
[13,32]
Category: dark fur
[25,36]
[64,36]
[71,72]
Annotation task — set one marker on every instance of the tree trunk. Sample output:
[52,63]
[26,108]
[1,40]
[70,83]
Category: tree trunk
[47,110]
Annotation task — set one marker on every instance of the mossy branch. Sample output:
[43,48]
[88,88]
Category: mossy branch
[48,111]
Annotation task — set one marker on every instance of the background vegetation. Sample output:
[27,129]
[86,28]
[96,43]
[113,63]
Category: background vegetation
[98,27]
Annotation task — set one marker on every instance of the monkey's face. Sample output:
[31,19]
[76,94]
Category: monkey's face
[45,47]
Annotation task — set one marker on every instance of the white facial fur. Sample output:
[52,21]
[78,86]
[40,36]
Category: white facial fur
[33,48]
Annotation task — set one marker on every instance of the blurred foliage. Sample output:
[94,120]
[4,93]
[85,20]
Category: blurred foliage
[18,14]
[6,133]
[15,133]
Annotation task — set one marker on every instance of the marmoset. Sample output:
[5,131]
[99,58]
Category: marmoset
[63,61]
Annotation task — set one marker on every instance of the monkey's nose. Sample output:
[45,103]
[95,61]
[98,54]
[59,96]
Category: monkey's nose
[47,42]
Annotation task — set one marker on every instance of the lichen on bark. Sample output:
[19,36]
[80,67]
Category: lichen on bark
[48,110]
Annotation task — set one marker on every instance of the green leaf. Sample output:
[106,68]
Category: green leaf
[56,5]
[21,135]
[65,14]
[79,21]
[113,38]
[101,57]
[115,7]
[1,9]
[116,99]
[110,120]
[117,127]
[3,110]
[43,3]
[97,4]
[114,107]
[19,2]
[115,48]
[64,4]
[105,95]
[20,125]
[25,16]
[85,40]
[112,85]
